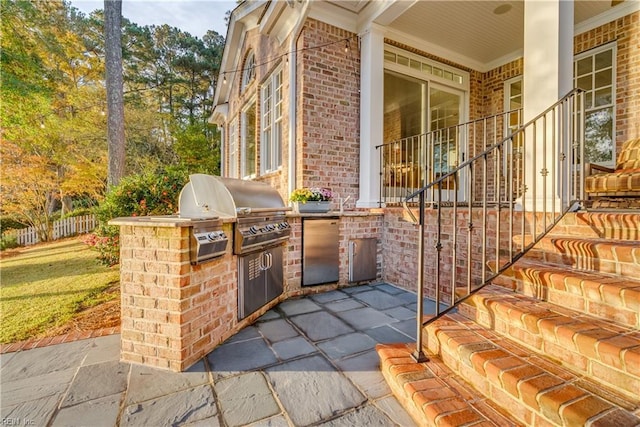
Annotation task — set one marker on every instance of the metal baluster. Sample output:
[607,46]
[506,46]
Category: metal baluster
[470,226]
[419,355]
[485,176]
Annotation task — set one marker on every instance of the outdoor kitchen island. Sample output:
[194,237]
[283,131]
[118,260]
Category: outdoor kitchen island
[176,309]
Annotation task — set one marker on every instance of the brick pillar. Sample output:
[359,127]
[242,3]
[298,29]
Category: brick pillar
[173,313]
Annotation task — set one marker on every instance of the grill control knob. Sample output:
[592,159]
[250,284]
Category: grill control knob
[213,236]
[253,229]
[270,227]
[283,225]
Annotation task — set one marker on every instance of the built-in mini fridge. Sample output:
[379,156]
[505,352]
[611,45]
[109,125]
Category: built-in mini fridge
[320,251]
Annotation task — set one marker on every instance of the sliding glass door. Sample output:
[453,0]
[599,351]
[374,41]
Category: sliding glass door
[422,142]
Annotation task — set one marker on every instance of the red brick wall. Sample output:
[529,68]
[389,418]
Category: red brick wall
[400,245]
[172,313]
[329,102]
[351,227]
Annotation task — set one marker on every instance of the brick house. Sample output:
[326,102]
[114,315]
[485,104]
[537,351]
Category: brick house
[378,99]
[314,92]
[357,74]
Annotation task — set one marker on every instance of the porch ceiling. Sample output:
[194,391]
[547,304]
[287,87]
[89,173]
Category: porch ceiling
[479,34]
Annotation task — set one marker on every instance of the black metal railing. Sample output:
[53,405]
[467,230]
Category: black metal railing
[498,204]
[409,164]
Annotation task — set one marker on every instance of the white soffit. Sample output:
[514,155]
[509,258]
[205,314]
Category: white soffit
[473,33]
[485,34]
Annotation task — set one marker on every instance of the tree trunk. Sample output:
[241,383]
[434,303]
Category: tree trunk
[115,97]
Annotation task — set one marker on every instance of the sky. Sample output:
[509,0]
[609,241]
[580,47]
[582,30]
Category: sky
[192,16]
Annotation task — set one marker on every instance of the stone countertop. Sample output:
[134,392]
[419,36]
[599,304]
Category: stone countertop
[333,214]
[167,221]
[176,221]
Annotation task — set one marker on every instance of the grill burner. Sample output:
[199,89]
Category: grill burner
[208,241]
[253,233]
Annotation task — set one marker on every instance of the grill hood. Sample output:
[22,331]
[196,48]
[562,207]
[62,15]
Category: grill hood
[207,196]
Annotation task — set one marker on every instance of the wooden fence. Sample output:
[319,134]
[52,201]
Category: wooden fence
[61,228]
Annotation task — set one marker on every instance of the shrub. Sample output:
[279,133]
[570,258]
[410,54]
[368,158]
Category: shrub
[136,195]
[8,222]
[8,242]
[78,212]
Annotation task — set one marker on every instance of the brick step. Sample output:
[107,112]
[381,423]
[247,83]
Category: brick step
[593,254]
[604,225]
[602,295]
[433,394]
[528,386]
[603,350]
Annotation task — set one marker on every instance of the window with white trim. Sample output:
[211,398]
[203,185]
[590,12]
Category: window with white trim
[594,72]
[271,141]
[249,69]
[248,140]
[233,150]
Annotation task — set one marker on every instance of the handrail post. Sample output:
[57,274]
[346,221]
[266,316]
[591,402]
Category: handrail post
[419,355]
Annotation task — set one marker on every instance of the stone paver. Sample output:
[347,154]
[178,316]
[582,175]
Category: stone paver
[178,408]
[343,305]
[408,327]
[390,406]
[393,290]
[386,334]
[400,313]
[293,347]
[321,325]
[345,345]
[96,413]
[379,300]
[241,356]
[245,399]
[364,371]
[111,378]
[148,383]
[365,318]
[277,330]
[329,297]
[299,306]
[306,361]
[366,416]
[311,389]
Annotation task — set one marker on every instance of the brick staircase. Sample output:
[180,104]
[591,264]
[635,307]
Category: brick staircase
[555,340]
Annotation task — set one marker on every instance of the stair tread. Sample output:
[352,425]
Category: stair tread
[586,341]
[592,239]
[432,393]
[607,278]
[511,370]
[602,295]
[588,253]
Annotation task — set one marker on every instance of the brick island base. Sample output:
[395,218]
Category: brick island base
[174,313]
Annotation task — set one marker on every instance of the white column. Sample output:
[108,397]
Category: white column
[548,76]
[371,114]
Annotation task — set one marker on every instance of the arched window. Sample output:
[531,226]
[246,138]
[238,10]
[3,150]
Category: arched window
[249,69]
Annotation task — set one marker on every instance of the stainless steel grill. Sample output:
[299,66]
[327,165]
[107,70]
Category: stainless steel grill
[208,240]
[257,207]
[259,230]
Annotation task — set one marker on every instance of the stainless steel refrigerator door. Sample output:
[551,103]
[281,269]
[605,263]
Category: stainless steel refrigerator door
[362,259]
[320,251]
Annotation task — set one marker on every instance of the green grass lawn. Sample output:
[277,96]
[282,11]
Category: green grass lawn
[44,286]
